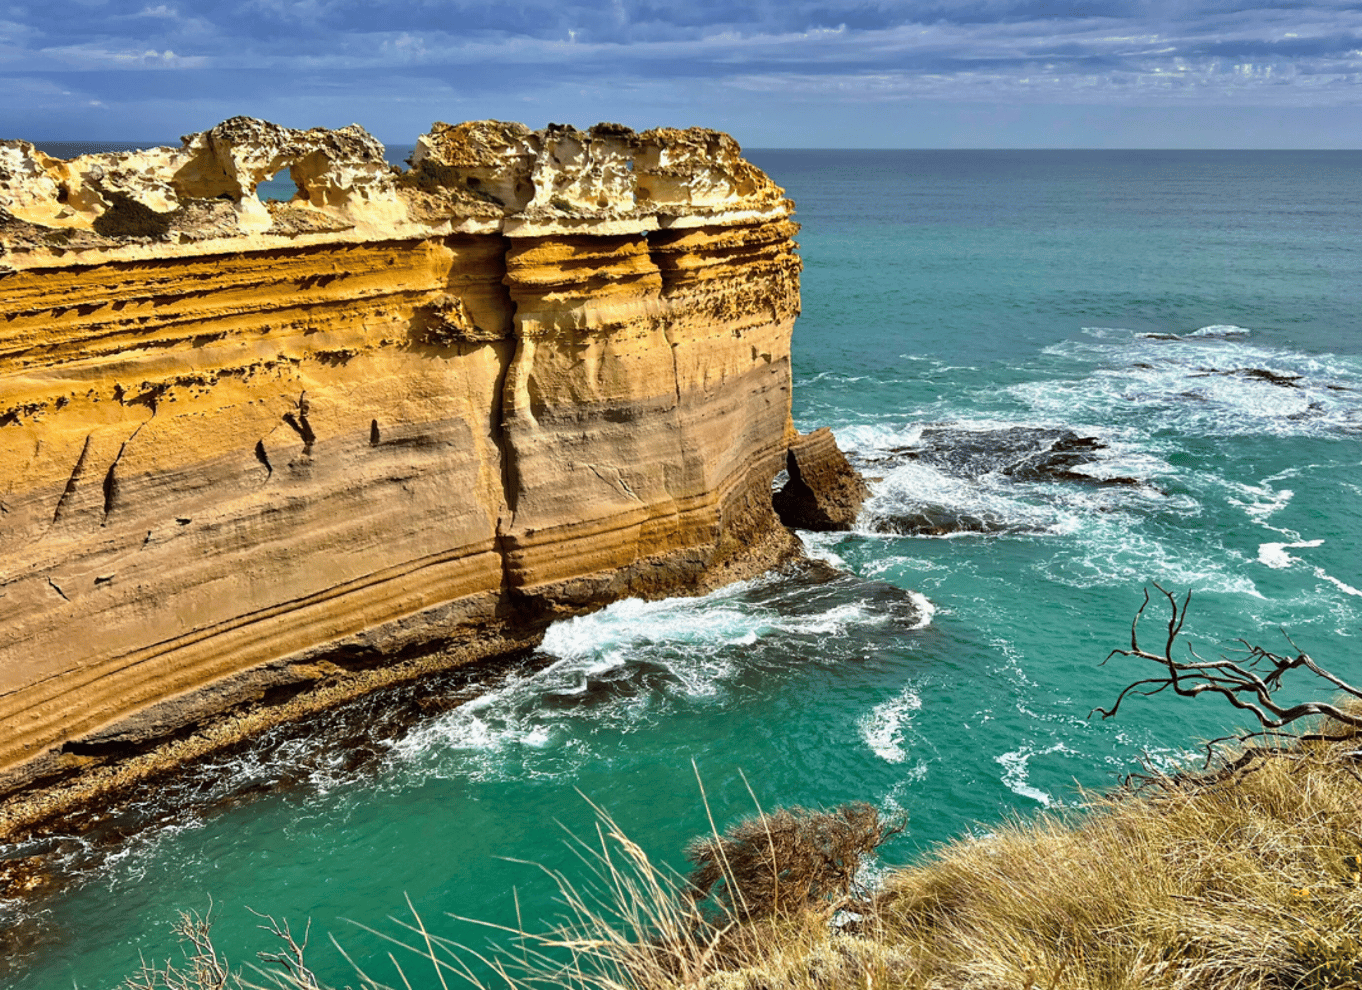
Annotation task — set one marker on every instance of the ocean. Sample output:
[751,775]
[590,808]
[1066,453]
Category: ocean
[1069,374]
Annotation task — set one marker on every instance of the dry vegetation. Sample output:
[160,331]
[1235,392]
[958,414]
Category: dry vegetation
[790,859]
[1244,876]
[1242,880]
[1250,879]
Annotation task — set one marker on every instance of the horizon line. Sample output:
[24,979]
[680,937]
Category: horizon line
[141,145]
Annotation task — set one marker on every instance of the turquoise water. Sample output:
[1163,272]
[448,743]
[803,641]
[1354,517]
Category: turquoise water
[1195,313]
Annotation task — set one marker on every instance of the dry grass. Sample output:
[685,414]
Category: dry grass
[1250,879]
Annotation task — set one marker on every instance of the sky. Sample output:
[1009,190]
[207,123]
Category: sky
[775,73]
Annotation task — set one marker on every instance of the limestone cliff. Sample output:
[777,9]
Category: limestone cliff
[249,450]
[823,491]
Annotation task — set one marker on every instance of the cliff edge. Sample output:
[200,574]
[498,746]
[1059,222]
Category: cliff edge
[253,454]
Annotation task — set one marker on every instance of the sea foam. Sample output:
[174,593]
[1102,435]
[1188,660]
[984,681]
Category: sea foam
[883,727]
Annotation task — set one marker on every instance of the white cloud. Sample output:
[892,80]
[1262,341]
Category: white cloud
[798,52]
[95,57]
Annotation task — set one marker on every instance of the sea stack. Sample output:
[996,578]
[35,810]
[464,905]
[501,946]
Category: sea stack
[259,457]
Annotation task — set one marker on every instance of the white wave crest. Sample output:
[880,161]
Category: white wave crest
[1113,552]
[1347,589]
[613,667]
[1261,502]
[867,440]
[883,727]
[1201,384]
[917,497]
[926,608]
[624,625]
[1017,772]
[819,546]
[835,622]
[1274,555]
[490,723]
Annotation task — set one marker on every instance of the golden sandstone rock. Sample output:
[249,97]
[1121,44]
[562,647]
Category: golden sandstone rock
[250,450]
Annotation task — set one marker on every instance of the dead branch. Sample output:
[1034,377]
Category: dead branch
[206,970]
[295,973]
[1248,680]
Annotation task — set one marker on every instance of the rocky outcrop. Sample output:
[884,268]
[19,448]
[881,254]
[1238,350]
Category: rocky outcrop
[262,453]
[822,491]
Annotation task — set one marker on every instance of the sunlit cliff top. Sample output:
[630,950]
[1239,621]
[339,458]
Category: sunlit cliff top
[477,177]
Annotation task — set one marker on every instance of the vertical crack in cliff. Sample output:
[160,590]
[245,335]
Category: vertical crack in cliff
[508,351]
[111,477]
[303,406]
[110,488]
[676,367]
[264,458]
[506,461]
[72,481]
[670,280]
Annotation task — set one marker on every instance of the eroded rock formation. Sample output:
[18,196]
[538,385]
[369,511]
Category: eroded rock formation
[250,450]
[822,491]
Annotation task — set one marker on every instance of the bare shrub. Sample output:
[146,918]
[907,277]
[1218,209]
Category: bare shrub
[790,859]
[204,968]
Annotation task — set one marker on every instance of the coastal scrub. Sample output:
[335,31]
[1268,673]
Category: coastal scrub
[1194,880]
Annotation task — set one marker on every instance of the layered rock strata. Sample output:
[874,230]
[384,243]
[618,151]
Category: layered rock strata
[261,452]
[822,491]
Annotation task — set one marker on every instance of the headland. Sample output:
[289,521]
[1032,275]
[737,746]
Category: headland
[260,458]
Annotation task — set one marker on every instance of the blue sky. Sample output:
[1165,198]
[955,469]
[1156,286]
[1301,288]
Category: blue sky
[775,73]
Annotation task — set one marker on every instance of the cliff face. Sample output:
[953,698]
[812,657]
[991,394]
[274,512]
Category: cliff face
[248,450]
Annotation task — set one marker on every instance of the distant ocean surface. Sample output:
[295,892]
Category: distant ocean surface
[1194,320]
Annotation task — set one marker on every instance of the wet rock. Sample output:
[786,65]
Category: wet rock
[1068,452]
[969,472]
[1023,453]
[1284,379]
[943,520]
[824,492]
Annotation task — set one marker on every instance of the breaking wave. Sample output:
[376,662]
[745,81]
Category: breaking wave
[883,728]
[1206,383]
[1017,772]
[987,477]
[633,661]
